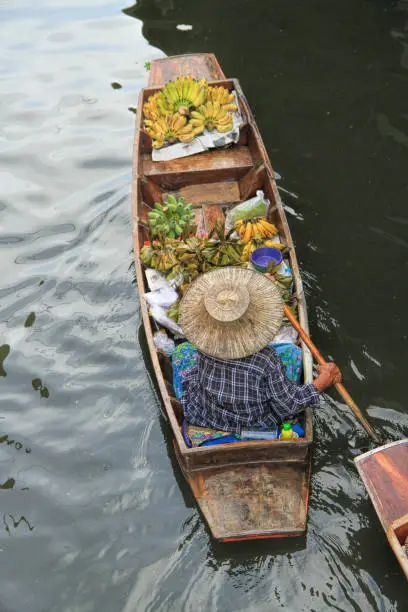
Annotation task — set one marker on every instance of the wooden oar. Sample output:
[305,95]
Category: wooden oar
[340,388]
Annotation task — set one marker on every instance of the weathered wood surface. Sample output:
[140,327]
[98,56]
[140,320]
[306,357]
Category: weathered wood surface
[250,501]
[211,166]
[384,472]
[226,193]
[252,181]
[212,214]
[222,177]
[200,65]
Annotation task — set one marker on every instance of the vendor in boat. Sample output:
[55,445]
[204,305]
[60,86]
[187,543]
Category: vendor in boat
[237,380]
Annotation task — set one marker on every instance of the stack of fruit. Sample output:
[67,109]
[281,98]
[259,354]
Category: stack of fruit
[255,233]
[159,254]
[184,108]
[193,255]
[170,218]
[259,228]
[221,249]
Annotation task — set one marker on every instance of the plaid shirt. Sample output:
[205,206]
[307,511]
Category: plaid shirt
[253,392]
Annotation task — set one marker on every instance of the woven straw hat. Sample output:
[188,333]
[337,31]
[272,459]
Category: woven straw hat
[231,313]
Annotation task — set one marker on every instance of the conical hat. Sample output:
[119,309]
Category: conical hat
[231,313]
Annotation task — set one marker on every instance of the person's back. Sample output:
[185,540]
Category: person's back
[235,394]
[231,315]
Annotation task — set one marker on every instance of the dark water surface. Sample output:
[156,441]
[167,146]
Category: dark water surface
[95,517]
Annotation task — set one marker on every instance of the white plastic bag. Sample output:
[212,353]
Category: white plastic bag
[164,297]
[156,279]
[287,333]
[163,342]
[159,315]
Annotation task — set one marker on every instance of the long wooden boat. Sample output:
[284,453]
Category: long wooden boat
[246,490]
[384,472]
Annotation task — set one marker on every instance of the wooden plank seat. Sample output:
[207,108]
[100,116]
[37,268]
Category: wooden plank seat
[211,166]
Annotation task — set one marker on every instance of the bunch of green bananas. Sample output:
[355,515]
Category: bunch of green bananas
[183,94]
[170,218]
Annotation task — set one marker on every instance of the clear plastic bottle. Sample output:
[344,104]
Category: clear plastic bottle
[286,431]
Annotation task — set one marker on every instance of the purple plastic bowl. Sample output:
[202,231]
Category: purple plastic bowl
[260,258]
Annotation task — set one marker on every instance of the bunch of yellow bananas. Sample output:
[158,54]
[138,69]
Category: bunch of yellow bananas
[256,244]
[153,109]
[223,97]
[211,116]
[169,129]
[257,229]
[184,108]
[184,93]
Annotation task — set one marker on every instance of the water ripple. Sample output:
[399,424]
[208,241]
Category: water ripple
[95,514]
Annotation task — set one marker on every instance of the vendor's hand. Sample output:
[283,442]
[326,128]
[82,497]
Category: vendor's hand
[329,374]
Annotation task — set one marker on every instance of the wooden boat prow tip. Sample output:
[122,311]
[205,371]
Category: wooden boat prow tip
[245,490]
[384,472]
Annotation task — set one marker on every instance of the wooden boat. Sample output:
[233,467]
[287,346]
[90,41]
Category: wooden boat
[384,472]
[247,490]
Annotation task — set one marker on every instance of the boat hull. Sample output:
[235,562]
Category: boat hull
[384,472]
[246,490]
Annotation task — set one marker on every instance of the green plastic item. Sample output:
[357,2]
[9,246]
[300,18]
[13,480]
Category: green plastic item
[255,207]
[286,432]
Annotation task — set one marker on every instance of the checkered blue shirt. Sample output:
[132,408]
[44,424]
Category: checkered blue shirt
[253,392]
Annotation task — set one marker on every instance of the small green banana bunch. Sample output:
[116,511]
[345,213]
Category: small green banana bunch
[183,94]
[170,218]
[211,116]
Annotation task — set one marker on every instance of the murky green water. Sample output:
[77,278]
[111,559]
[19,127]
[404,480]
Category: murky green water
[95,516]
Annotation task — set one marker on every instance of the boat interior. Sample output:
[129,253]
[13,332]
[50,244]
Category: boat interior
[212,182]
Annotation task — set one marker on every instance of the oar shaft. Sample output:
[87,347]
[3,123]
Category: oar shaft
[340,388]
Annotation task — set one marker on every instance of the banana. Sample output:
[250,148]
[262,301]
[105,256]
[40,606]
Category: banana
[258,230]
[181,95]
[169,129]
[269,227]
[223,97]
[275,245]
[248,232]
[211,116]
